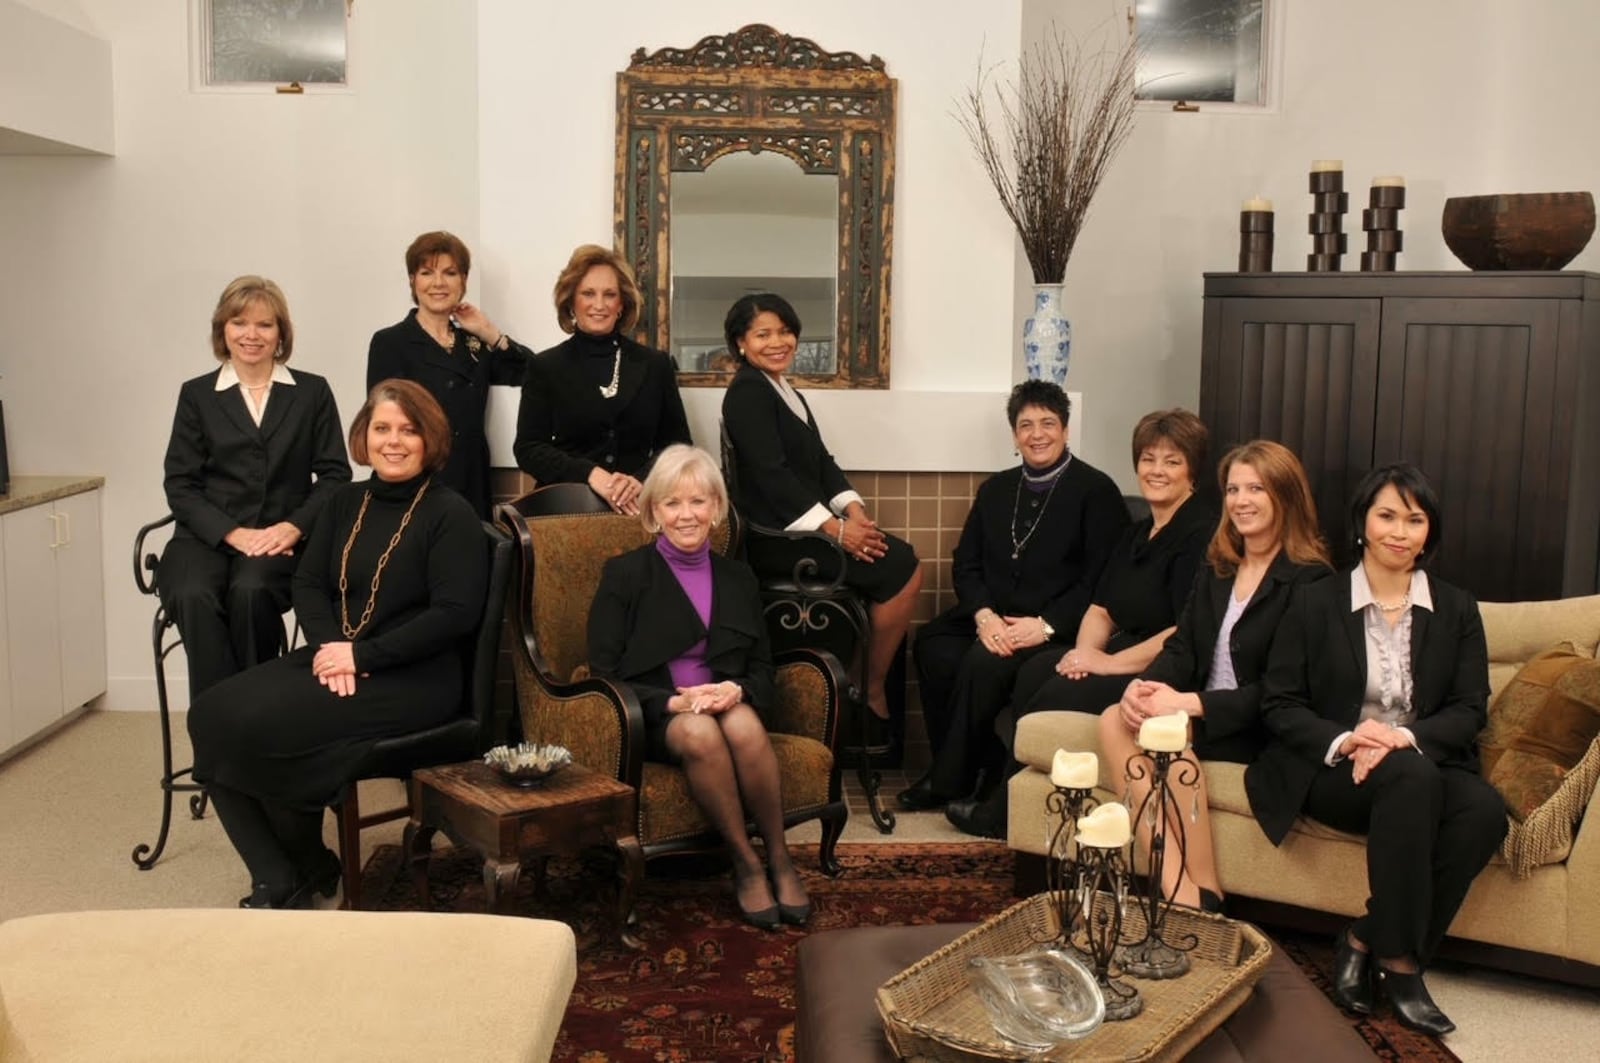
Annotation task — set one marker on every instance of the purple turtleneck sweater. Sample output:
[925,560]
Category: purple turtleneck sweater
[694,576]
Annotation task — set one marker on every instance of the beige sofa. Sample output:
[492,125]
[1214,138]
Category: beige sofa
[166,985]
[1554,912]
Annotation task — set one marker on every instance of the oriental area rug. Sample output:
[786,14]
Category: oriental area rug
[706,987]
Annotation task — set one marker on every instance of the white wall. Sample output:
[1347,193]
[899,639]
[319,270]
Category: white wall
[114,264]
[55,83]
[1460,96]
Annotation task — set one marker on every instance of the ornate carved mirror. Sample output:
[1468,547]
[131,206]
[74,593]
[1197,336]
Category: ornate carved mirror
[756,161]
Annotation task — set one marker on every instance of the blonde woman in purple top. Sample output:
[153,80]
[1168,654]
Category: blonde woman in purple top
[683,626]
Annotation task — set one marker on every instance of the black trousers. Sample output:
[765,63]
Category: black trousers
[1429,829]
[279,845]
[964,688]
[229,608]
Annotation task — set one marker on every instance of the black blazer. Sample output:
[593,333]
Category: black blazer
[641,619]
[1317,678]
[222,472]
[565,428]
[460,381]
[783,467]
[1230,727]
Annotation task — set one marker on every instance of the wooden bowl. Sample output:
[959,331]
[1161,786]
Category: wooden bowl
[1539,230]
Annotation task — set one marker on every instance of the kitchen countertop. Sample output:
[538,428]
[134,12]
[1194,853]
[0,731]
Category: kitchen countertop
[35,490]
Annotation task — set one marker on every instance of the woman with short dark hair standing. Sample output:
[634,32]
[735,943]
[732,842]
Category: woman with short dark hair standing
[1377,688]
[450,347]
[787,479]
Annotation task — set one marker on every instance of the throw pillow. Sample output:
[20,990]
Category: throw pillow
[1540,752]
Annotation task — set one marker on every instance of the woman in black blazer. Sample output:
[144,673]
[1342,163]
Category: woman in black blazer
[255,452]
[1266,547]
[683,626]
[450,347]
[1376,691]
[787,479]
[598,408]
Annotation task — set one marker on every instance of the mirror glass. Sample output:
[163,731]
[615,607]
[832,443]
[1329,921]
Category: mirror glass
[753,223]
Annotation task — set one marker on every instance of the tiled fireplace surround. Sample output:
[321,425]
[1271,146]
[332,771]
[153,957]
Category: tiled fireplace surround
[927,509]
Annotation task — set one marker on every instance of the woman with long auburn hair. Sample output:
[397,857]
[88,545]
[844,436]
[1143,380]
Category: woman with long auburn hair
[1212,668]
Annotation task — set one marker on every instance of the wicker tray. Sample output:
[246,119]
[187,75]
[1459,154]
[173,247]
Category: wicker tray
[931,1015]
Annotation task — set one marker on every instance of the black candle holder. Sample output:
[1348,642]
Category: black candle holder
[1061,868]
[1154,955]
[1102,901]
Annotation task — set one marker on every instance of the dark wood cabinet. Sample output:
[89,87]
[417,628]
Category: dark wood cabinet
[1490,382]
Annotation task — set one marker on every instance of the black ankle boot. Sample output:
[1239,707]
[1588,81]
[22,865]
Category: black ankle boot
[1352,976]
[1412,1004]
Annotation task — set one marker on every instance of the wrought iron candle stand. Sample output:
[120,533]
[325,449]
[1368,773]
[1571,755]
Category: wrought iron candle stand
[1101,897]
[1154,955]
[1061,868]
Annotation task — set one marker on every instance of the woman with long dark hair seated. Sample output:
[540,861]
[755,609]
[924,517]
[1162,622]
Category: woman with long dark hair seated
[787,478]
[1024,571]
[254,456]
[1212,666]
[390,583]
[1377,689]
[683,626]
[598,407]
[1137,599]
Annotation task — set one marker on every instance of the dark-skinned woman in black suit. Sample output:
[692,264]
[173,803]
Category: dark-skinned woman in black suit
[598,408]
[683,625]
[255,453]
[1376,691]
[450,347]
[787,479]
[1212,665]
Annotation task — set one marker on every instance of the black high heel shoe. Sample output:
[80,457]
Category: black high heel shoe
[793,914]
[266,895]
[1412,1004]
[322,877]
[1352,976]
[763,918]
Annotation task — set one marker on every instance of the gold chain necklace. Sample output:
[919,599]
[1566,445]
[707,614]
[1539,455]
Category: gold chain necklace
[377,573]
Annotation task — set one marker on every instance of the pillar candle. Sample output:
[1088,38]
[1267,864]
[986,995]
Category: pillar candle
[1388,182]
[1327,165]
[1074,771]
[1107,827]
[1258,204]
[1165,734]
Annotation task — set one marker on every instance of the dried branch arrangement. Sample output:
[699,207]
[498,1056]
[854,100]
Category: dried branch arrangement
[1059,126]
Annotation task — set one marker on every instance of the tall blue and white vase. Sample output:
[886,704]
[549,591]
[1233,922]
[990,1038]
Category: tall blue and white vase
[1047,336]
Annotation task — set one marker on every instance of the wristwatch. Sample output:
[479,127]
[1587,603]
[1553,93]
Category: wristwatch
[1049,632]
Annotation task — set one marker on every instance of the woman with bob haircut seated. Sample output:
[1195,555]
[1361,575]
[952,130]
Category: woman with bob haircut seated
[1377,689]
[598,407]
[389,584]
[683,626]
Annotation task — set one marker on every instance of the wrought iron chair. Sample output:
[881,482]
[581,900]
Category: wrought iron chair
[164,638]
[462,738]
[807,603]
[559,557]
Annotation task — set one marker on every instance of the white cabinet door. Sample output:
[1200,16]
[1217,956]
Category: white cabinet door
[33,618]
[81,594]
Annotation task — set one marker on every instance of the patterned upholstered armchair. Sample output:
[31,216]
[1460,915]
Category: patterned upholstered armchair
[558,559]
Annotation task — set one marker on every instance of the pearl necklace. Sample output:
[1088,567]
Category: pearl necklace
[609,391]
[1403,603]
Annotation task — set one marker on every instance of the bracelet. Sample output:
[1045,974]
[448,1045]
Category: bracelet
[502,338]
[839,535]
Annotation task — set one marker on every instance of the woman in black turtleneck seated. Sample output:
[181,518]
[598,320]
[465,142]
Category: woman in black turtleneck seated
[389,585]
[598,408]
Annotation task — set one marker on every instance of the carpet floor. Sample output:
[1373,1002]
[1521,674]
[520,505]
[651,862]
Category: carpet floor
[708,987]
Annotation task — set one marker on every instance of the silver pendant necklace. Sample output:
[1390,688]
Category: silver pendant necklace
[609,391]
[1016,505]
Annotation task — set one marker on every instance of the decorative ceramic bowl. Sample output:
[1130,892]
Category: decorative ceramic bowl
[526,764]
[1038,999]
[1539,230]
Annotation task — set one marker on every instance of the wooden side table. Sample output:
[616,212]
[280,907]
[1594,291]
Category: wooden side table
[576,809]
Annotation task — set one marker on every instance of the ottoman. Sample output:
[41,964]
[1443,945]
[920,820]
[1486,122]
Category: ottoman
[839,971]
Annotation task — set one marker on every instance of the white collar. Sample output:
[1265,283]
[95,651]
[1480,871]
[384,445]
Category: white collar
[1361,590]
[229,377]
